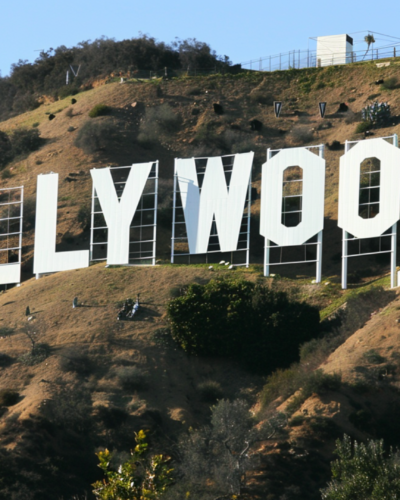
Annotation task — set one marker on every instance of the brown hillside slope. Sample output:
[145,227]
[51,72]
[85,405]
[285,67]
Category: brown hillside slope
[368,361]
[163,394]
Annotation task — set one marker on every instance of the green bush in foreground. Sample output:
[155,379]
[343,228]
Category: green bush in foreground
[363,472]
[139,478]
[238,319]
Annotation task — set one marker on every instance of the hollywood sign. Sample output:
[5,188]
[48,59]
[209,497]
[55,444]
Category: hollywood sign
[211,209]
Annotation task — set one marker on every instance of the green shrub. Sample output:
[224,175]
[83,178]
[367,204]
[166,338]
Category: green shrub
[363,126]
[316,382]
[99,110]
[210,391]
[95,136]
[6,152]
[390,83]
[281,383]
[36,355]
[373,357]
[8,397]
[6,174]
[36,124]
[363,471]
[5,360]
[85,217]
[238,319]
[66,91]
[24,141]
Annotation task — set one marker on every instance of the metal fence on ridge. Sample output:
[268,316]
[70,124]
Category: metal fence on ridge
[297,59]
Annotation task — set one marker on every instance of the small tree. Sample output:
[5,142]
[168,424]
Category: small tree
[140,478]
[368,39]
[220,455]
[363,471]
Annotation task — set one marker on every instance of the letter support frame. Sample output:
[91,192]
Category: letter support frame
[393,235]
[10,272]
[143,257]
[177,238]
[318,244]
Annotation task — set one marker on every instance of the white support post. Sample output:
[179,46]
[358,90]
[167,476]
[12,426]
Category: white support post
[248,224]
[393,254]
[21,214]
[318,276]
[267,242]
[173,216]
[344,259]
[344,241]
[92,225]
[266,257]
[155,213]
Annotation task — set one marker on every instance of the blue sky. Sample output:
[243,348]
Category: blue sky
[241,30]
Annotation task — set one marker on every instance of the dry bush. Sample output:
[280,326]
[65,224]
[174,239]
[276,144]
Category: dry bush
[96,135]
[260,97]
[210,391]
[8,397]
[159,120]
[73,359]
[132,378]
[301,134]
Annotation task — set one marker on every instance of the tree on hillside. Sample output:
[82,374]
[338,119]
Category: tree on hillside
[198,55]
[363,472]
[215,458]
[368,39]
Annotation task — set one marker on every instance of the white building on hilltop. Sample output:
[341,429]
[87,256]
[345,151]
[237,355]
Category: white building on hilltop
[335,49]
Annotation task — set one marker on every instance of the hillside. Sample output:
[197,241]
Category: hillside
[102,380]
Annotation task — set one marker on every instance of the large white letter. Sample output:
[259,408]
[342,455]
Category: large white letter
[312,208]
[118,214]
[214,200]
[46,259]
[388,189]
